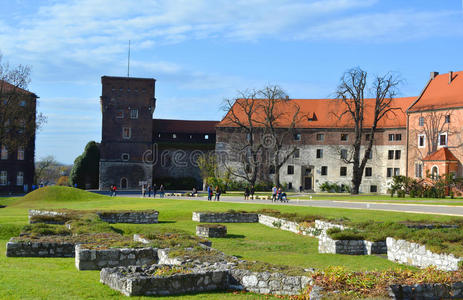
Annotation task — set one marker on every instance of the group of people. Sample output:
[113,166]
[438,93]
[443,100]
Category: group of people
[113,190]
[152,189]
[210,193]
[278,195]
[249,192]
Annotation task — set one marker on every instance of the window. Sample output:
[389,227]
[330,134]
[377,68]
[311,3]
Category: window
[324,170]
[421,121]
[22,126]
[206,136]
[134,113]
[398,136]
[367,137]
[290,170]
[369,154]
[391,137]
[344,136]
[126,132]
[4,154]
[418,170]
[368,172]
[389,172]
[248,137]
[343,153]
[435,172]
[191,136]
[174,135]
[296,153]
[320,136]
[21,153]
[290,185]
[297,137]
[20,178]
[421,140]
[447,119]
[319,153]
[125,156]
[390,154]
[373,189]
[343,171]
[22,103]
[443,139]
[119,114]
[396,171]
[3,178]
[397,154]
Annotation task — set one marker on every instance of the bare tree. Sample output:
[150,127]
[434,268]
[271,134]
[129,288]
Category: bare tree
[18,121]
[247,148]
[351,93]
[280,117]
[46,170]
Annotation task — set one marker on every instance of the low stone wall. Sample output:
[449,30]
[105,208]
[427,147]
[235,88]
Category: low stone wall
[136,281]
[350,247]
[427,291]
[214,232]
[32,249]
[417,255]
[324,225]
[92,259]
[135,217]
[287,225]
[267,283]
[47,213]
[209,217]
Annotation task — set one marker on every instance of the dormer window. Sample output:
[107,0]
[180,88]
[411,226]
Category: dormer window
[312,118]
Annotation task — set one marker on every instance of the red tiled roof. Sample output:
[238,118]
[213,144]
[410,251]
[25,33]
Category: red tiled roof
[184,126]
[326,112]
[441,94]
[443,154]
[7,87]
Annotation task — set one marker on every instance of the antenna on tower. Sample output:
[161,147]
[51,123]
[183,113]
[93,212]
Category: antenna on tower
[128,62]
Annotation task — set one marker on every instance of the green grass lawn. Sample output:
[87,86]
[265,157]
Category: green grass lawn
[41,278]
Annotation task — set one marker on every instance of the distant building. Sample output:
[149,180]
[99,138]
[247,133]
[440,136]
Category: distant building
[17,165]
[322,140]
[137,149]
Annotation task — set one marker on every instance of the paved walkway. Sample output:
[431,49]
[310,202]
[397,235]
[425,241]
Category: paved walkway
[409,208]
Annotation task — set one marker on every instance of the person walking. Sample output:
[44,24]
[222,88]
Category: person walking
[252,192]
[246,193]
[150,188]
[217,193]
[279,193]
[274,193]
[209,193]
[114,190]
[161,191]
[155,188]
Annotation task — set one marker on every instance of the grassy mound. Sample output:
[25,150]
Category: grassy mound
[60,194]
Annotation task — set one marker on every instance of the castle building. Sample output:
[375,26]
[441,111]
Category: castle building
[137,149]
[323,143]
[17,160]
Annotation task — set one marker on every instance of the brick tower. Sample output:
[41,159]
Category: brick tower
[127,105]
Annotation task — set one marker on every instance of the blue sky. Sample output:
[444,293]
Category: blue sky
[201,52]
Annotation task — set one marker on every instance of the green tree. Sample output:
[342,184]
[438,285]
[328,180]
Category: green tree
[85,172]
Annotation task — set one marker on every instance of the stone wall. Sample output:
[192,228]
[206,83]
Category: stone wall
[267,283]
[427,291]
[31,249]
[287,225]
[210,217]
[417,255]
[350,247]
[206,231]
[93,259]
[134,217]
[324,225]
[136,281]
[48,213]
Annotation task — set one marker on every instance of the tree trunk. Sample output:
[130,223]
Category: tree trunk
[276,176]
[356,181]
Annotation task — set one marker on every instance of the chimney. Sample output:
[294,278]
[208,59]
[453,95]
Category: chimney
[450,76]
[434,74]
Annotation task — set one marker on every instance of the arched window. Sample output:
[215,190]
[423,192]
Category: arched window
[124,183]
[435,172]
